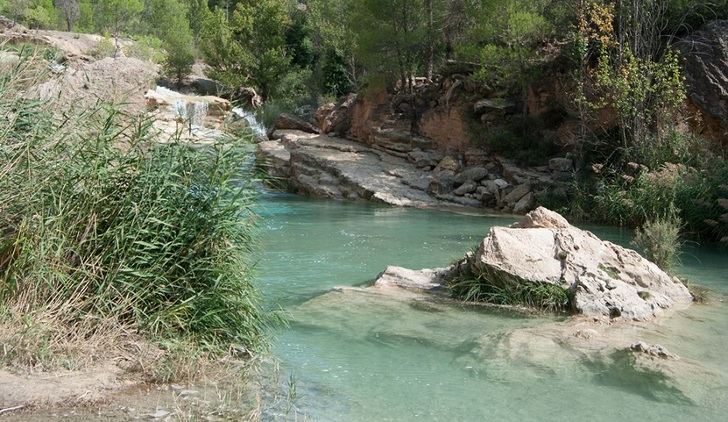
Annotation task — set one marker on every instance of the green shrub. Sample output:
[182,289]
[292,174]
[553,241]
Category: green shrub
[101,222]
[659,240]
[522,140]
[104,48]
[147,48]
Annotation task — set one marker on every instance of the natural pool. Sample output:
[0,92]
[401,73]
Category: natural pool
[362,357]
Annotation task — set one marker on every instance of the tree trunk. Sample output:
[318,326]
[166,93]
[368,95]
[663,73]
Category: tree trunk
[430,39]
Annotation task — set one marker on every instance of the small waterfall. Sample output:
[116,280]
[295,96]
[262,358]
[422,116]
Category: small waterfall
[257,127]
[189,111]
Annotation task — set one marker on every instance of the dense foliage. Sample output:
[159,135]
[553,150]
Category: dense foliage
[617,57]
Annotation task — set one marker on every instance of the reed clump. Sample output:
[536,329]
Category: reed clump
[107,234]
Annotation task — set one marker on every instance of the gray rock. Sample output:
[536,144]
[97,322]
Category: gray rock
[430,280]
[516,194]
[424,159]
[323,166]
[542,218]
[705,56]
[502,184]
[525,204]
[654,350]
[465,188]
[287,121]
[442,183]
[448,164]
[339,120]
[583,264]
[475,174]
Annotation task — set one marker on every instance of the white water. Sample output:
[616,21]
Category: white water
[257,127]
[192,112]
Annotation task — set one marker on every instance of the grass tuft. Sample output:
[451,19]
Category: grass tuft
[504,289]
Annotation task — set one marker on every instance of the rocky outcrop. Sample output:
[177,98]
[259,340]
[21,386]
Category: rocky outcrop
[474,181]
[80,84]
[706,72]
[336,168]
[336,118]
[604,280]
[287,121]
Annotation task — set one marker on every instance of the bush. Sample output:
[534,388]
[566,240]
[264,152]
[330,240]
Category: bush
[522,140]
[104,48]
[102,223]
[147,48]
[659,240]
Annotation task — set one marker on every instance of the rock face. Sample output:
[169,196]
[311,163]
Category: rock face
[287,121]
[605,279]
[336,168]
[333,118]
[706,70]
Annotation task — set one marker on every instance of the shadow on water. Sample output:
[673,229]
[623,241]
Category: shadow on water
[622,371]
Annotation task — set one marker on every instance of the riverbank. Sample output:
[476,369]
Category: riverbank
[127,244]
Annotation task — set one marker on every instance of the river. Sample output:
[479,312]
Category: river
[359,357]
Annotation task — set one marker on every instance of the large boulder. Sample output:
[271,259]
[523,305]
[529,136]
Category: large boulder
[287,121]
[604,279]
[706,70]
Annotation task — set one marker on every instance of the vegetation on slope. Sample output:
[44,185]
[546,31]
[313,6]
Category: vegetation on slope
[105,232]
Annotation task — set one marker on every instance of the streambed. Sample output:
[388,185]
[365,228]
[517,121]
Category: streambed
[361,357]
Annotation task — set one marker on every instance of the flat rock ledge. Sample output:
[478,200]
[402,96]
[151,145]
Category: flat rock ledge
[603,280]
[329,167]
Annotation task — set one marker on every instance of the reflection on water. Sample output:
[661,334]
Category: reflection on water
[361,357]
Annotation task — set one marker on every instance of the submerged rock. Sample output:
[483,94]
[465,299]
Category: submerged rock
[604,279]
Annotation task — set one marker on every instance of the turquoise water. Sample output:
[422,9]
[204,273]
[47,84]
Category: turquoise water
[357,356]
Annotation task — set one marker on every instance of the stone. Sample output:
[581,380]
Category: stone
[516,194]
[424,159]
[324,166]
[705,55]
[8,59]
[561,164]
[441,184]
[652,350]
[322,113]
[287,121]
[586,333]
[502,184]
[605,280]
[447,164]
[465,188]
[398,277]
[339,120]
[159,414]
[542,218]
[474,174]
[525,204]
